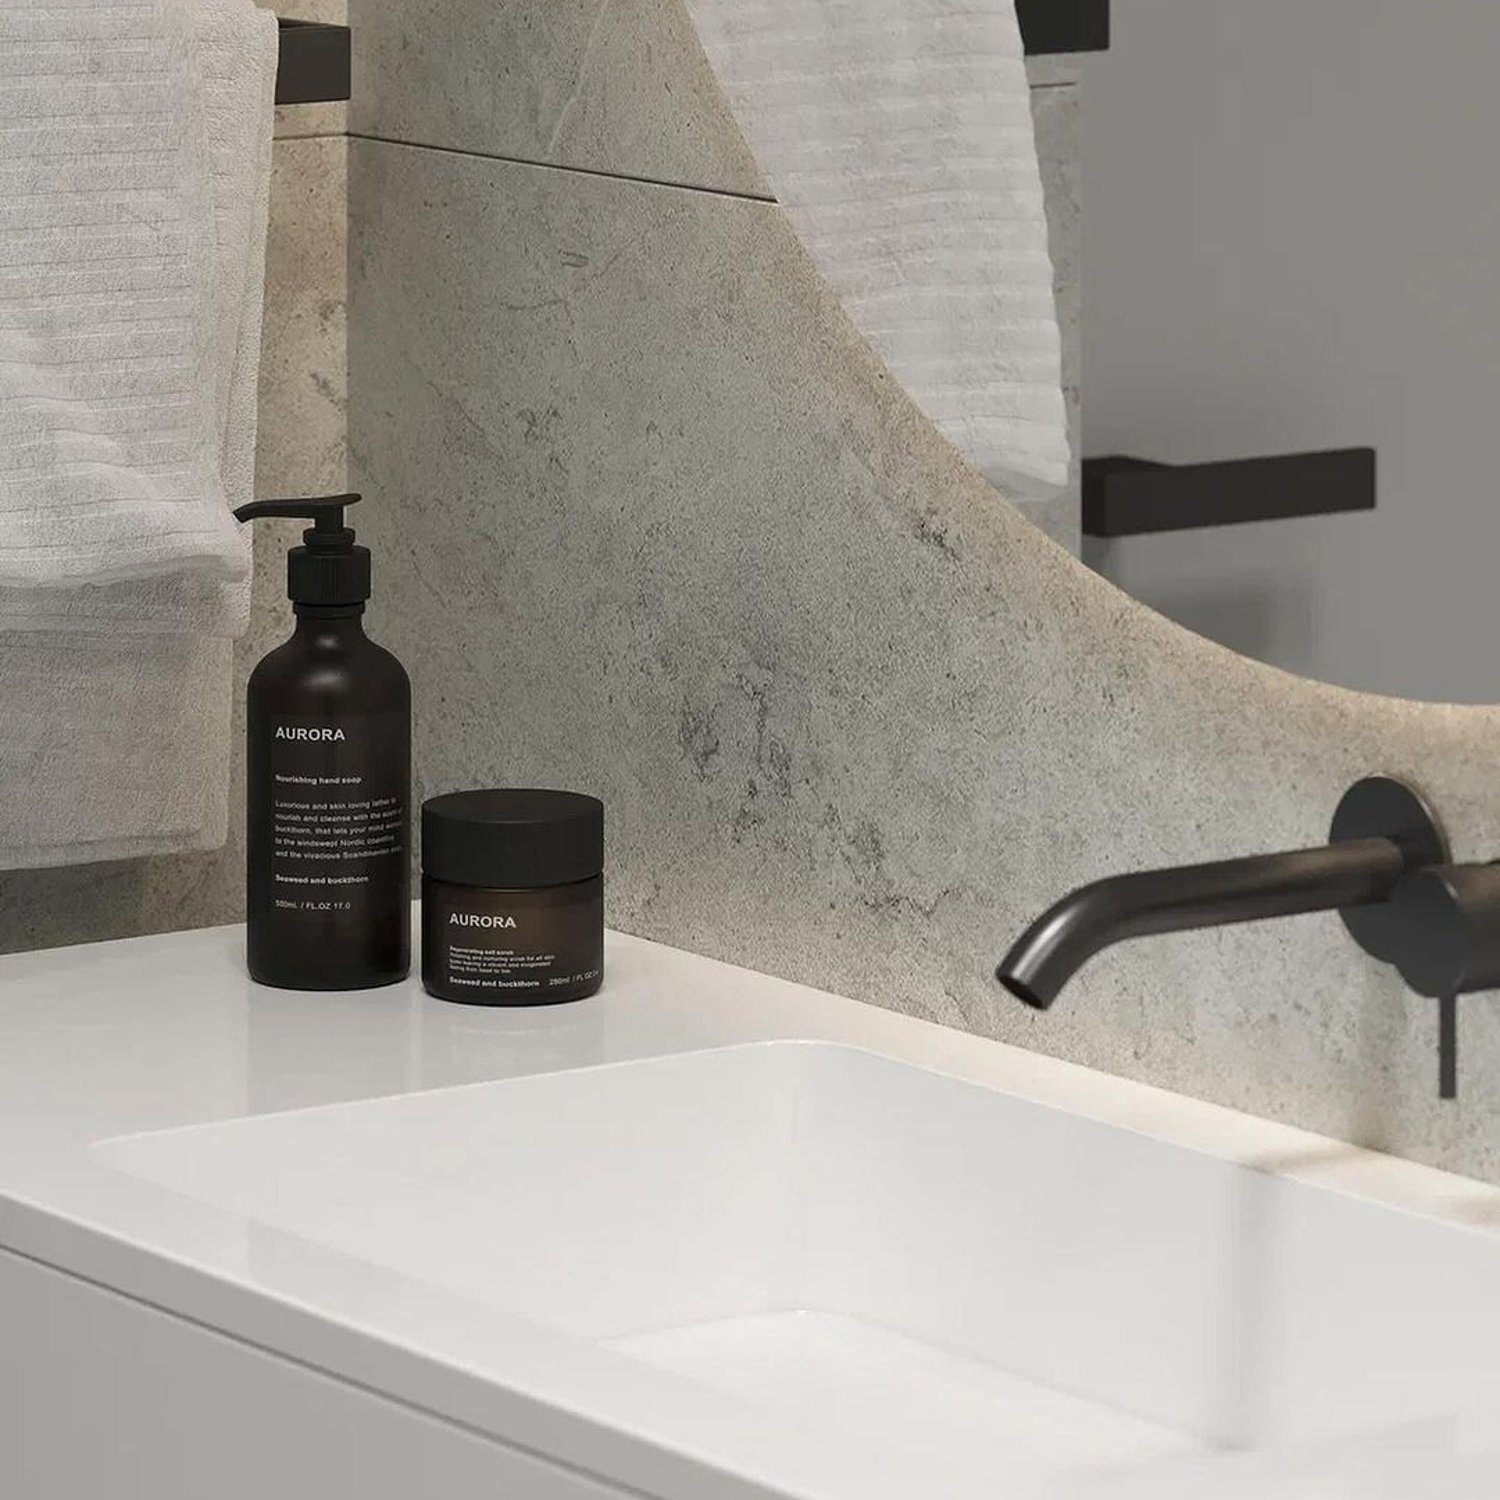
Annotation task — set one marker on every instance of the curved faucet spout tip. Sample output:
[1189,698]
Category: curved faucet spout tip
[1022,991]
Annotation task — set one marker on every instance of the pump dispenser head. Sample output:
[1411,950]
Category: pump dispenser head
[327,570]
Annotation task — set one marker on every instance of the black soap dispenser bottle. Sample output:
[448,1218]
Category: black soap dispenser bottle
[328,777]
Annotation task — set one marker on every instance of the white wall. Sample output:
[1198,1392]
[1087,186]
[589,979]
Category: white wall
[1292,241]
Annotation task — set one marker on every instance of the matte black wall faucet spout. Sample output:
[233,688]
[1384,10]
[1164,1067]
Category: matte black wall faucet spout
[1059,942]
[1381,832]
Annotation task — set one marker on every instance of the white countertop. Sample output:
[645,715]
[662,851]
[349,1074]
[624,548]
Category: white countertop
[164,1032]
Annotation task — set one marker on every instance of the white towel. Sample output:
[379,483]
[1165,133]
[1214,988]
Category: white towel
[135,141]
[897,134]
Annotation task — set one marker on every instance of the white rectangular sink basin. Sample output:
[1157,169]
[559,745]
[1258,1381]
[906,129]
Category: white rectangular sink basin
[945,1280]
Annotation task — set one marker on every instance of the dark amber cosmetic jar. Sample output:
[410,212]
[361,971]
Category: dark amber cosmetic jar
[512,897]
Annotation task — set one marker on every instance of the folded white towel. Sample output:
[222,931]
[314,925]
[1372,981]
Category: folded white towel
[897,134]
[135,140]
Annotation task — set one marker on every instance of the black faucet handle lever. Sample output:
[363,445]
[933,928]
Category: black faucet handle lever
[1448,1047]
[1444,929]
[1443,932]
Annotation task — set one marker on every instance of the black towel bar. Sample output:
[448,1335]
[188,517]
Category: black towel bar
[314,66]
[1131,496]
[1064,25]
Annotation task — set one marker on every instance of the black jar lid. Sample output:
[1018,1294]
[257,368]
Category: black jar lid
[516,839]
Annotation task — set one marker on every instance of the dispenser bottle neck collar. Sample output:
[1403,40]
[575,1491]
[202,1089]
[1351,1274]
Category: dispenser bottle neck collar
[315,613]
[328,571]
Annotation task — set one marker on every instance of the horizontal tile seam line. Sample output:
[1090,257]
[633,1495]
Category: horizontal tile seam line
[313,1367]
[552,166]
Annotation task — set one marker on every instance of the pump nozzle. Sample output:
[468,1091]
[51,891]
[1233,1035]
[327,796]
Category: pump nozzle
[328,569]
[326,514]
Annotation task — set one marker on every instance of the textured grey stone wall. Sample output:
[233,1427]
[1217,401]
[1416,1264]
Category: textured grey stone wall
[625,90]
[658,119]
[651,521]
[302,451]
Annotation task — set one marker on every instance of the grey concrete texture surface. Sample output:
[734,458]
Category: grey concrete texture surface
[303,376]
[303,424]
[650,520]
[654,523]
[594,85]
[598,86]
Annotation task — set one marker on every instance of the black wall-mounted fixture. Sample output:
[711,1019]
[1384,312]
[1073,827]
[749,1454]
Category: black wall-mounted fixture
[1381,832]
[1064,25]
[1132,496]
[1443,937]
[314,66]
[1385,868]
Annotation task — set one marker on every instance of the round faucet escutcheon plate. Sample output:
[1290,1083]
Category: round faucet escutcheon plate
[1383,807]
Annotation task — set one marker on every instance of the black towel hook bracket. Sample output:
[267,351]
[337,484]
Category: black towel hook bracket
[1049,26]
[314,66]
